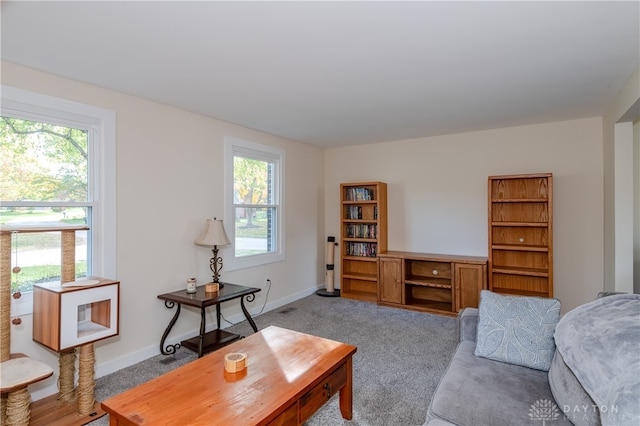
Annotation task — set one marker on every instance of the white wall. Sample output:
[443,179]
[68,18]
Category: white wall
[636,207]
[623,206]
[437,192]
[620,108]
[169,181]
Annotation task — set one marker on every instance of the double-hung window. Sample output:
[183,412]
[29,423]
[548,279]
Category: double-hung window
[254,199]
[58,169]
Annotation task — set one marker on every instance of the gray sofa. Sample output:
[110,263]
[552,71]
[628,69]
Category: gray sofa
[599,340]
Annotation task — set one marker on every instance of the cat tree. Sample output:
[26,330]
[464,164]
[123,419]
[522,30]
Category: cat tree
[67,316]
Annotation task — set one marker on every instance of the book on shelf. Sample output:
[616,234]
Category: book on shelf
[354,212]
[361,249]
[362,230]
[360,194]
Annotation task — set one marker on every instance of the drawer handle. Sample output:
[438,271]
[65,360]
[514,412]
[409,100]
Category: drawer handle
[434,272]
[521,240]
[327,388]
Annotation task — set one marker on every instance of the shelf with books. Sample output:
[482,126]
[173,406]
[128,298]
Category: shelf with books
[363,230]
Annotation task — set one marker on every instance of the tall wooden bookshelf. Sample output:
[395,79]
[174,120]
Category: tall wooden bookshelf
[521,234]
[363,231]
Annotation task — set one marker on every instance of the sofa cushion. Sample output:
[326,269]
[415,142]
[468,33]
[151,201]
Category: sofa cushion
[571,398]
[517,329]
[479,391]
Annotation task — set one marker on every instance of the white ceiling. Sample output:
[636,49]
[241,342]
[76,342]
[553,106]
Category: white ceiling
[341,73]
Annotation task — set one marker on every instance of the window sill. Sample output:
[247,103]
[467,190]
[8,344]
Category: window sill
[251,261]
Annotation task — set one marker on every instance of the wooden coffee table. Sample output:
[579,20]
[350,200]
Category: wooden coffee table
[289,376]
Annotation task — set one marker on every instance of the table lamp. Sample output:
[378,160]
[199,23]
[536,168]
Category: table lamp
[213,235]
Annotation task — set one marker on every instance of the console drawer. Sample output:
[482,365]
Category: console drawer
[420,269]
[288,417]
[320,394]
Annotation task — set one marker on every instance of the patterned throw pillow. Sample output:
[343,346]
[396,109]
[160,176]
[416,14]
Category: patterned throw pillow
[517,329]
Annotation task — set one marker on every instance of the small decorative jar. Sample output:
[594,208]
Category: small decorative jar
[191,285]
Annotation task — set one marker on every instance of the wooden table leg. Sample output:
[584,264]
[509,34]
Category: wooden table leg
[346,393]
[116,421]
[247,315]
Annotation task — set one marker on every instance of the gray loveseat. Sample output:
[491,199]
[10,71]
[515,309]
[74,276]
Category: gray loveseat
[599,340]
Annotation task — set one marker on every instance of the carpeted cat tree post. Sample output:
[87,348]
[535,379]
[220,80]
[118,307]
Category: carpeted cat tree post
[329,290]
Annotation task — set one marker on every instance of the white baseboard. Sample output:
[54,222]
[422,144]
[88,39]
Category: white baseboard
[105,368]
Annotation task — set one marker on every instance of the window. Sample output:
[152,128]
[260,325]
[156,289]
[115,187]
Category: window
[58,167]
[254,199]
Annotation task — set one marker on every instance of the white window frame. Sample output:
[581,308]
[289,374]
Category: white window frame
[233,146]
[102,124]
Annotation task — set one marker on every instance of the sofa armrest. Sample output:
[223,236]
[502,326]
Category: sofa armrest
[468,323]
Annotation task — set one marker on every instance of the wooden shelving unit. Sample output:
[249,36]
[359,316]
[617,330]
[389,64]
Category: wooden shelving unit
[363,231]
[521,234]
[436,283]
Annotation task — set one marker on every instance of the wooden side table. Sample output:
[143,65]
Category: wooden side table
[215,339]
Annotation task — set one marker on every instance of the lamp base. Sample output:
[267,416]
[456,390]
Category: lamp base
[213,287]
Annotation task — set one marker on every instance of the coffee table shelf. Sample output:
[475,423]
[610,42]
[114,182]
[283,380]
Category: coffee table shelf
[212,341]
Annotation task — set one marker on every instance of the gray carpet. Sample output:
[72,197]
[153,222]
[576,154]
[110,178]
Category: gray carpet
[400,359]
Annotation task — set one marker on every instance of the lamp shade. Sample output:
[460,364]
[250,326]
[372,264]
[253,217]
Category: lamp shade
[213,234]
